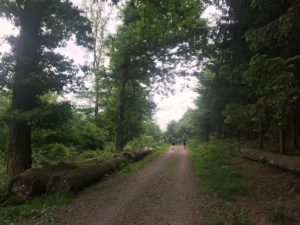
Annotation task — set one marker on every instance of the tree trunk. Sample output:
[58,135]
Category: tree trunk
[282,142]
[294,130]
[261,135]
[207,132]
[19,157]
[248,133]
[32,182]
[238,135]
[97,90]
[65,177]
[27,55]
[224,131]
[119,141]
[77,179]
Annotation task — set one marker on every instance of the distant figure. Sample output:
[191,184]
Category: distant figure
[184,141]
[173,142]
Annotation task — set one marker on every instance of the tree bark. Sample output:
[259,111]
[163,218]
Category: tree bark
[65,177]
[224,131]
[294,130]
[282,142]
[238,135]
[19,148]
[32,182]
[97,93]
[77,179]
[248,133]
[261,135]
[23,94]
[120,115]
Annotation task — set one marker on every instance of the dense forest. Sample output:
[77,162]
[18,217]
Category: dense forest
[246,61]
[249,86]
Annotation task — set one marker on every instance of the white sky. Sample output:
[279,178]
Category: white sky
[168,108]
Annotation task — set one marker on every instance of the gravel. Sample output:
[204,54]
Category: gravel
[164,192]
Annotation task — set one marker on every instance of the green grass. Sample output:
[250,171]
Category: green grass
[3,182]
[36,207]
[278,215]
[214,164]
[132,167]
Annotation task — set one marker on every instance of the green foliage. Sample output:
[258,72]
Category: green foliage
[51,153]
[182,129]
[278,215]
[214,164]
[3,182]
[153,130]
[240,217]
[41,206]
[149,33]
[250,79]
[140,142]
[100,155]
[4,105]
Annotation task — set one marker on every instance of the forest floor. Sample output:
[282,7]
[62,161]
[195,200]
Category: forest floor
[274,194]
[166,192]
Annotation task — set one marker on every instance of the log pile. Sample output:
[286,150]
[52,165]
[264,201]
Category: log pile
[288,163]
[64,177]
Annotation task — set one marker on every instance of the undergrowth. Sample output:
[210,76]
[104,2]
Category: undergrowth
[36,207]
[214,164]
[278,214]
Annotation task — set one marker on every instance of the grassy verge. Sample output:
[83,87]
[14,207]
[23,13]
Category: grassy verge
[132,167]
[214,164]
[36,207]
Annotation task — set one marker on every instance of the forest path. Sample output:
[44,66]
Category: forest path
[164,192]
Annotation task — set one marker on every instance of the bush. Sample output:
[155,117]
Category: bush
[101,155]
[140,142]
[240,217]
[40,206]
[52,153]
[277,214]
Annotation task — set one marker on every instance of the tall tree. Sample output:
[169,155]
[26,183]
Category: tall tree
[150,31]
[44,25]
[100,14]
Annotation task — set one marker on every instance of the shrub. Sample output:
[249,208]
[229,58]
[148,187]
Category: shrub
[140,142]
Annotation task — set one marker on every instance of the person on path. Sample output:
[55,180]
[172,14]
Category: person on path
[184,140]
[173,142]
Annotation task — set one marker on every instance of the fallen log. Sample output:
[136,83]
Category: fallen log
[137,154]
[288,163]
[64,177]
[77,179]
[32,182]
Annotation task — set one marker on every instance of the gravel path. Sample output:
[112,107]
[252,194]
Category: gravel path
[162,193]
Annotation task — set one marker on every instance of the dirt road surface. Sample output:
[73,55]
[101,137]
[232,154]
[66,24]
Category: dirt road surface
[162,193]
